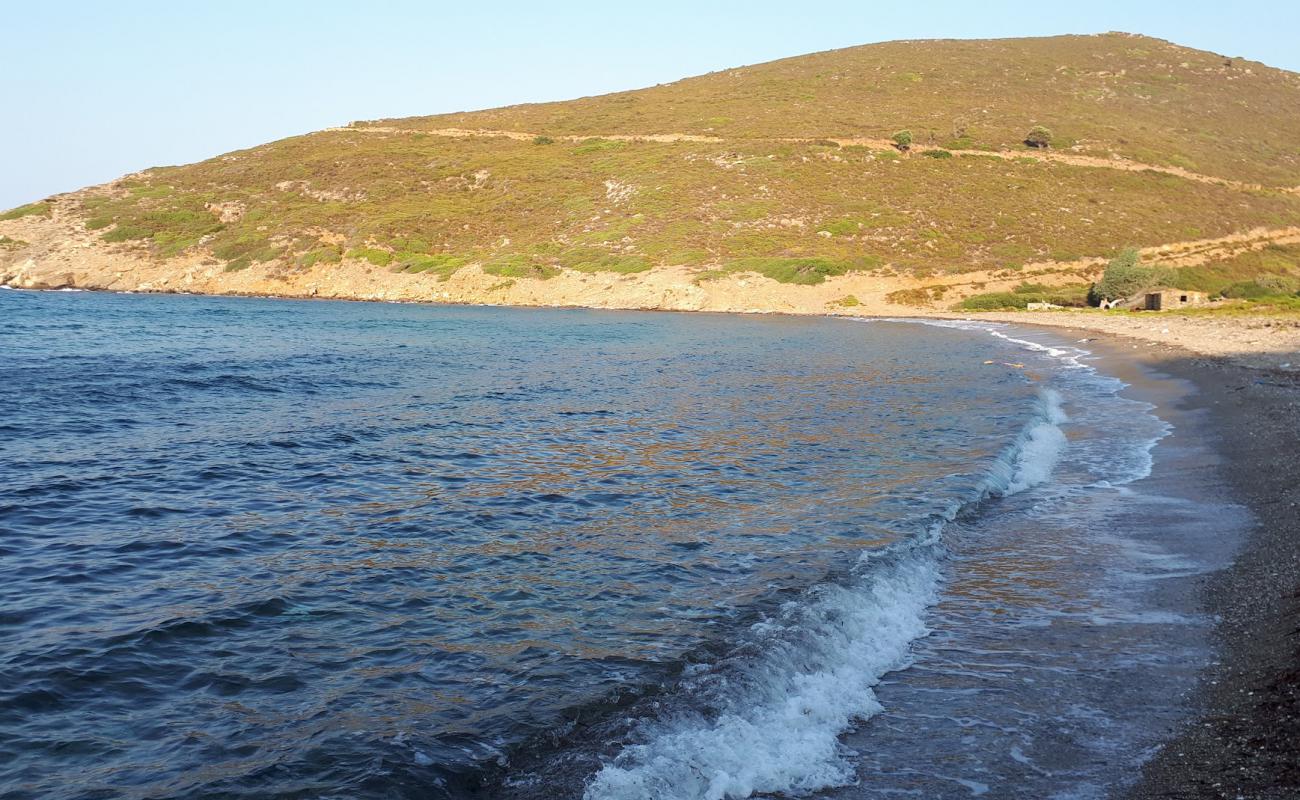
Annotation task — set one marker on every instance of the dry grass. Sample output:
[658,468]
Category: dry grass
[795,211]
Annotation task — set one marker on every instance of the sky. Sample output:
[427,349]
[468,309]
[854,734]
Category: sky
[94,90]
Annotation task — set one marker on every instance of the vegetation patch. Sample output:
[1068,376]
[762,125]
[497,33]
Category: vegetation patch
[42,208]
[1273,266]
[1018,299]
[802,271]
[843,227]
[917,296]
[519,266]
[325,254]
[243,250]
[440,264]
[11,244]
[593,259]
[1126,276]
[599,145]
[380,258]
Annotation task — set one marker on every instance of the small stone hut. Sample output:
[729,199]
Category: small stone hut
[1166,299]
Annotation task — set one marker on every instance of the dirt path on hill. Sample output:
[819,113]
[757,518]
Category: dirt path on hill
[1047,156]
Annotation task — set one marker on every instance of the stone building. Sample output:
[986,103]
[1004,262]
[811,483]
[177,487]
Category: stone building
[1167,299]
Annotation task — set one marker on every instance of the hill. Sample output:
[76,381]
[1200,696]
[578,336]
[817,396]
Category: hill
[772,187]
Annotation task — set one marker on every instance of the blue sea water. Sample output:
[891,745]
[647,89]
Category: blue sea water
[289,549]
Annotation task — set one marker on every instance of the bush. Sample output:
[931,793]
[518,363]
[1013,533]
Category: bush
[244,249]
[995,301]
[1039,137]
[842,227]
[903,140]
[1279,284]
[803,271]
[380,258]
[519,266]
[1019,298]
[1125,277]
[325,254]
[543,140]
[937,154]
[1263,286]
[441,264]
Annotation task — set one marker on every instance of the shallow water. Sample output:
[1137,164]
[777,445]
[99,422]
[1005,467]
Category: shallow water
[299,549]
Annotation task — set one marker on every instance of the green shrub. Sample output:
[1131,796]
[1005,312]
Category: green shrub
[1263,286]
[519,266]
[597,145]
[1019,298]
[1279,284]
[42,208]
[380,258]
[802,271]
[11,244]
[842,227]
[902,140]
[594,259]
[543,140]
[1125,277]
[1039,137]
[937,154]
[995,301]
[440,264]
[325,254]
[244,249]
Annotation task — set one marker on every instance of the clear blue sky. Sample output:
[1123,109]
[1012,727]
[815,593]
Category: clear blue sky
[93,90]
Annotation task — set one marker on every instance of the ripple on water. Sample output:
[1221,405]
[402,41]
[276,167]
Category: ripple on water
[307,549]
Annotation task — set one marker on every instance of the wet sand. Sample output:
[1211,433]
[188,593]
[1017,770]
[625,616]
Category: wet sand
[1243,740]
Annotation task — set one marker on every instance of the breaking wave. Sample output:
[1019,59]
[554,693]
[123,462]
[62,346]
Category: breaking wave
[768,717]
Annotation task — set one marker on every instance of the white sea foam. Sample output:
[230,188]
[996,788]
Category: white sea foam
[815,676]
[1040,447]
[778,711]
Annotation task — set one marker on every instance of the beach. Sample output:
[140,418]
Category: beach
[1242,740]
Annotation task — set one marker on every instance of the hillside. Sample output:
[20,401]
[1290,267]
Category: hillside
[770,187]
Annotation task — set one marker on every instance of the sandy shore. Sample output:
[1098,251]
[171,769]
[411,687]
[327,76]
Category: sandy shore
[1244,739]
[1253,341]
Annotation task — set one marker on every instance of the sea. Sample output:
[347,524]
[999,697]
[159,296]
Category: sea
[258,548]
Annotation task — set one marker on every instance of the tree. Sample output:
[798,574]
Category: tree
[903,140]
[1125,276]
[1039,137]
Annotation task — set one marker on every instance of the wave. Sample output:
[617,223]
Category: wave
[768,717]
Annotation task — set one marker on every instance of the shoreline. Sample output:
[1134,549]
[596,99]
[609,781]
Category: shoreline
[1245,739]
[1242,736]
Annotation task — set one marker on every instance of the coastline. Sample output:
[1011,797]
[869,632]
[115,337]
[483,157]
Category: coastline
[1245,740]
[1242,739]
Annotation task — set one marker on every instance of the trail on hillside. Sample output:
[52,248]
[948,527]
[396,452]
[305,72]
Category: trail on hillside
[1072,159]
